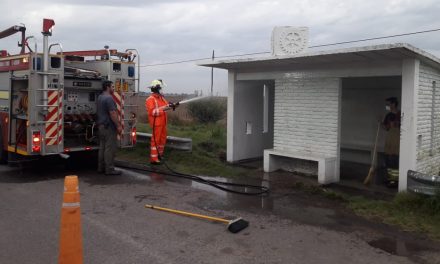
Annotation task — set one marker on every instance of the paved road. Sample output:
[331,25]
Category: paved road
[288,227]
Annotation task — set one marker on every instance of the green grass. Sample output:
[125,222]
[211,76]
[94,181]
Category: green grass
[409,211]
[207,157]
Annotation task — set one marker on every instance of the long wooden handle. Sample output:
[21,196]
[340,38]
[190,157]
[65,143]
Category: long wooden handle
[374,159]
[373,162]
[187,213]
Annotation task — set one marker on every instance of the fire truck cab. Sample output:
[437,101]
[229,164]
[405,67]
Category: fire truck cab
[48,99]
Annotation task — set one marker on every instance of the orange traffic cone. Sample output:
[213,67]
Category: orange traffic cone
[70,233]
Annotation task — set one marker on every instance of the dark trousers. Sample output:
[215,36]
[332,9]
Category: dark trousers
[392,161]
[392,167]
[107,149]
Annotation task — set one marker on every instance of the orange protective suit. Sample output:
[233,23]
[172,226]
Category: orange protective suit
[157,117]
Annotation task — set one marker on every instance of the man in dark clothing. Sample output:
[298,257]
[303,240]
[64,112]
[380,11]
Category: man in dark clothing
[391,124]
[109,127]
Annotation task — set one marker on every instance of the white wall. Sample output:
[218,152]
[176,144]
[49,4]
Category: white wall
[363,106]
[326,70]
[307,115]
[245,101]
[428,121]
[408,128]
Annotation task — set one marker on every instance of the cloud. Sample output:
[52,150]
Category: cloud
[173,30]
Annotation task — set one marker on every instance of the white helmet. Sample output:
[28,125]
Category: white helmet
[158,84]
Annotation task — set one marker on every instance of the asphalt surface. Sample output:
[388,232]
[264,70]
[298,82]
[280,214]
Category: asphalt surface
[287,227]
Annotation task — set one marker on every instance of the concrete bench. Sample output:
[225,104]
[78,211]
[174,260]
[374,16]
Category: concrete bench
[359,153]
[327,166]
[172,142]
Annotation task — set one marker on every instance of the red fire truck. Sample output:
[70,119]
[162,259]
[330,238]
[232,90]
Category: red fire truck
[48,99]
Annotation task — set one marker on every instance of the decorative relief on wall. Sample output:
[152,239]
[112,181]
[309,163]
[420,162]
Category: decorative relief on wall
[289,40]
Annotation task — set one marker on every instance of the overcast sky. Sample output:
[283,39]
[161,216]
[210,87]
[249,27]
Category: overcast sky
[171,30]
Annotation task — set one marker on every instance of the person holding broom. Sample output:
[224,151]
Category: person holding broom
[391,124]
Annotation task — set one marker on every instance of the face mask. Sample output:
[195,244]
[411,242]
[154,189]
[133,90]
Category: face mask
[388,108]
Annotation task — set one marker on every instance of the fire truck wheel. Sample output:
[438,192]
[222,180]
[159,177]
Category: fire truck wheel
[3,153]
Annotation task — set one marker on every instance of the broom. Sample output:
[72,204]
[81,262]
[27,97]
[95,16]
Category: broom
[372,170]
[234,226]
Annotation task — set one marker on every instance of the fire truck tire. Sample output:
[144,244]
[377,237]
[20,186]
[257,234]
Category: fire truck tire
[3,153]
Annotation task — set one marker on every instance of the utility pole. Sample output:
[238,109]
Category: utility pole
[212,75]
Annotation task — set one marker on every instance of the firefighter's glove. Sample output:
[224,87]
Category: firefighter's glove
[173,106]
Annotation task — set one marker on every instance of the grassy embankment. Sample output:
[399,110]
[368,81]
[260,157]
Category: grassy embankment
[207,157]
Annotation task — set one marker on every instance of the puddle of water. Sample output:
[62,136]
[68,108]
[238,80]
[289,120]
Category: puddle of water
[396,246]
[291,207]
[288,207]
[140,176]
[222,193]
[301,209]
[127,177]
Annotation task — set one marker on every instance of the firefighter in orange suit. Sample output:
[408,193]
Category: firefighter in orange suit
[157,106]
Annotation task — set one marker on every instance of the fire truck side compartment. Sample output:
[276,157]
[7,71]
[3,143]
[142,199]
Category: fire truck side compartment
[80,104]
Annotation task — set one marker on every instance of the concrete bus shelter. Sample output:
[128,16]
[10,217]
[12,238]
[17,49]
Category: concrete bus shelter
[310,111]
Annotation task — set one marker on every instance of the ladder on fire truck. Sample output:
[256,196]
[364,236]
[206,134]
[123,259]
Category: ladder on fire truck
[51,107]
[53,117]
[129,106]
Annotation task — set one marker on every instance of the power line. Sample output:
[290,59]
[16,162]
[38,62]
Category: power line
[246,54]
[315,46]
[173,62]
[376,38]
[207,58]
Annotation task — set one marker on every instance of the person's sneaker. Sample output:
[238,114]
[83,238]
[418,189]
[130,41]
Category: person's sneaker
[155,163]
[113,172]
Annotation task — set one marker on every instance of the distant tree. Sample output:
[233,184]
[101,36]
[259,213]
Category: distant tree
[207,110]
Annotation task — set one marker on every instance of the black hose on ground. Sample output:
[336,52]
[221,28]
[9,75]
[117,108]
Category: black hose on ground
[216,184]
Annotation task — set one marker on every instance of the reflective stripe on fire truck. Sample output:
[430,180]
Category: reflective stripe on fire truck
[54,118]
[4,95]
[19,151]
[119,100]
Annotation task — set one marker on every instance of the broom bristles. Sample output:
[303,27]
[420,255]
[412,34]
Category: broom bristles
[237,225]
[370,176]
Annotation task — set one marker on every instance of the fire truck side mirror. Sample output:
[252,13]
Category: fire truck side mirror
[48,25]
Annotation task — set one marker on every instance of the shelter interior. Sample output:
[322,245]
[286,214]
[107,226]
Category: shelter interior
[362,111]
